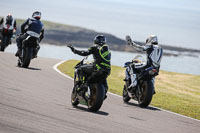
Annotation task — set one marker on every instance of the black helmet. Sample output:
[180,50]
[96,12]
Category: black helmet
[37,15]
[9,18]
[100,40]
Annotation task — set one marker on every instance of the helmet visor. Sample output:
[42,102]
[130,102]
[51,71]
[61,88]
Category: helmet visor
[36,15]
[152,40]
[102,40]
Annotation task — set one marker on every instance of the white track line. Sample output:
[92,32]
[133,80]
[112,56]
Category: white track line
[56,69]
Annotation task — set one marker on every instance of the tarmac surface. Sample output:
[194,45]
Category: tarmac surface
[37,100]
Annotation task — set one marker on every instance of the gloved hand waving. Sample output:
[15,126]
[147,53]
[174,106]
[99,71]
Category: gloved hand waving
[129,40]
[71,47]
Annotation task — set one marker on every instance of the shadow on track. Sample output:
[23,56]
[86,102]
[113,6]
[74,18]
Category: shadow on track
[149,107]
[98,112]
[30,68]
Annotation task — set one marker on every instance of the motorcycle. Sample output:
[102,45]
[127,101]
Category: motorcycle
[30,47]
[6,39]
[144,90]
[91,95]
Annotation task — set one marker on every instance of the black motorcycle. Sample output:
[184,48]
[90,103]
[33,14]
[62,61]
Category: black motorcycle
[144,90]
[6,38]
[84,93]
[30,48]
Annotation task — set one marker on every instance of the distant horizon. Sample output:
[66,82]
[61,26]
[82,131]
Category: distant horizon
[109,33]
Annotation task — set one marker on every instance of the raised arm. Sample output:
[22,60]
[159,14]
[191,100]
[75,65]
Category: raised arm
[135,45]
[82,52]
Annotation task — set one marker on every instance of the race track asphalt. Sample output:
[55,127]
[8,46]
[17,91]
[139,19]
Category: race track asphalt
[37,100]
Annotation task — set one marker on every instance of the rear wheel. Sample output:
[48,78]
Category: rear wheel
[27,56]
[145,96]
[97,97]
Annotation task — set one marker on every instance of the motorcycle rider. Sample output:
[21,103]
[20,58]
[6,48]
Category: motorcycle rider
[8,23]
[100,69]
[31,27]
[154,55]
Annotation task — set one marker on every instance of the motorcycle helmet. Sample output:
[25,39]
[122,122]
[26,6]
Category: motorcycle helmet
[100,40]
[152,40]
[9,18]
[37,15]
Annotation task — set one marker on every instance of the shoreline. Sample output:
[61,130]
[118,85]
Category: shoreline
[168,50]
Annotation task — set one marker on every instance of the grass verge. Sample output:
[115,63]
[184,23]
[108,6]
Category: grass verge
[175,92]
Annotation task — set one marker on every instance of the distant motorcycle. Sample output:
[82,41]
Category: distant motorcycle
[144,90]
[6,39]
[91,95]
[29,51]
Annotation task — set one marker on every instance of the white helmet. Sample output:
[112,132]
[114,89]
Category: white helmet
[36,15]
[9,18]
[152,40]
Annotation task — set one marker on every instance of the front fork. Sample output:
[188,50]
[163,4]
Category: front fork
[128,80]
[129,74]
[79,80]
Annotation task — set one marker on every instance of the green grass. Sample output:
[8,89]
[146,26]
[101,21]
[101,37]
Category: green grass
[175,92]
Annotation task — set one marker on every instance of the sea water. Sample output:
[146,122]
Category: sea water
[181,64]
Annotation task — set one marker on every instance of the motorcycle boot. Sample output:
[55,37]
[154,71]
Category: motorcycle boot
[35,52]
[18,53]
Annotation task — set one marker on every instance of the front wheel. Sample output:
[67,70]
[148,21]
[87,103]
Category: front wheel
[74,98]
[125,95]
[97,97]
[145,94]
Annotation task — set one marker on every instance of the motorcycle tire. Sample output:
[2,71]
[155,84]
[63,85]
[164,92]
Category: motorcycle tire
[27,56]
[97,97]
[74,99]
[146,93]
[125,95]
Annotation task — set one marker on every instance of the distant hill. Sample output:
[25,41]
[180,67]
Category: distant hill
[62,34]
